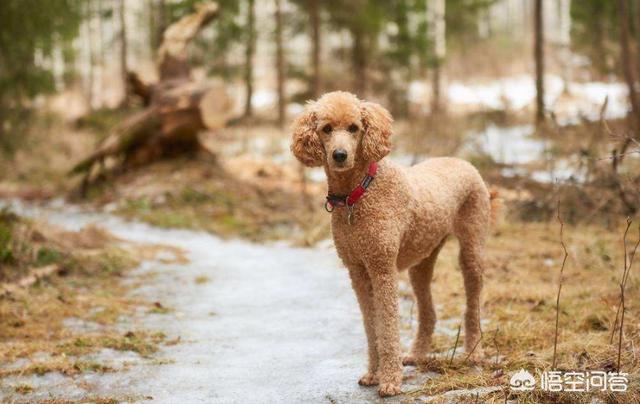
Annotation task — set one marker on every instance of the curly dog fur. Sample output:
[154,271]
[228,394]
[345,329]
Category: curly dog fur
[402,222]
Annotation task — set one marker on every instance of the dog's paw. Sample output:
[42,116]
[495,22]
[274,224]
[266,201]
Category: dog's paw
[409,360]
[369,379]
[414,360]
[389,389]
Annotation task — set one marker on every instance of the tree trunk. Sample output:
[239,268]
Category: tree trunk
[314,16]
[102,52]
[280,65]
[484,23]
[90,58]
[359,63]
[124,68]
[248,63]
[436,30]
[564,41]
[599,31]
[152,26]
[172,54]
[539,59]
[628,67]
[161,21]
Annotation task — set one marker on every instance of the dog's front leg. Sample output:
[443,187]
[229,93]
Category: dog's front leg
[361,283]
[385,294]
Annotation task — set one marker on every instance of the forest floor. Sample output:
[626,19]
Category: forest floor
[209,334]
[183,319]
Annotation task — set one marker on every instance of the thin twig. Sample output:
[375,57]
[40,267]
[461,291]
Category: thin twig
[564,260]
[612,135]
[632,257]
[621,326]
[455,346]
[495,342]
[614,328]
[617,156]
[623,284]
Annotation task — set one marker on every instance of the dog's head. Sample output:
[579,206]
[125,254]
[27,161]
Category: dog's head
[339,130]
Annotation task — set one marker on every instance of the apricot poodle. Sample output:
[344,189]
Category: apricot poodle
[386,218]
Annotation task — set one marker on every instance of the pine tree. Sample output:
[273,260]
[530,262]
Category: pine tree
[27,28]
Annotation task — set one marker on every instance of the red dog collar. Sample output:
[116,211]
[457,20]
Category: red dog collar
[338,201]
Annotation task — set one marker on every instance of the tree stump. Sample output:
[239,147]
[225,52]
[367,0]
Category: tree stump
[177,108]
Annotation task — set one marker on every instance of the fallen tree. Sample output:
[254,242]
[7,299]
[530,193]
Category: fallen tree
[177,108]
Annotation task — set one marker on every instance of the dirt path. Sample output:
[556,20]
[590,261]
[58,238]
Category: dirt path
[272,324]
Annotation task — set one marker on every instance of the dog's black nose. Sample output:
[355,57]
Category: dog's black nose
[340,155]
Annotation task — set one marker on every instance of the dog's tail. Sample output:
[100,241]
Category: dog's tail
[496,206]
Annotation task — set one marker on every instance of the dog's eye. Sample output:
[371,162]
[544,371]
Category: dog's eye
[327,129]
[353,128]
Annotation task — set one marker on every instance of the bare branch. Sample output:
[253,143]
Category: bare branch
[564,260]
[455,346]
[628,262]
[614,328]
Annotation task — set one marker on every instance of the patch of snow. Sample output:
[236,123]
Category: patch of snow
[264,99]
[317,174]
[518,92]
[294,109]
[508,145]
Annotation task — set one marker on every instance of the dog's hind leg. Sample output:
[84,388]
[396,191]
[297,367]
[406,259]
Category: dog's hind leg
[421,276]
[471,229]
[361,283]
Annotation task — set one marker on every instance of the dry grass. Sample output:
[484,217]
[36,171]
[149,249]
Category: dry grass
[88,289]
[259,201]
[519,300]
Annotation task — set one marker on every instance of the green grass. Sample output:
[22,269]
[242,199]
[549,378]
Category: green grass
[47,255]
[7,221]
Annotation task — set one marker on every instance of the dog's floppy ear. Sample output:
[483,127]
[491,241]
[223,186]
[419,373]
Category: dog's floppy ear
[377,130]
[306,145]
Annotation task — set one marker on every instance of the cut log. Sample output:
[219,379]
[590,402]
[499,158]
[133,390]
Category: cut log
[177,108]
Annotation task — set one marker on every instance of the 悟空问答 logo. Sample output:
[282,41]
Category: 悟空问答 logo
[522,381]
